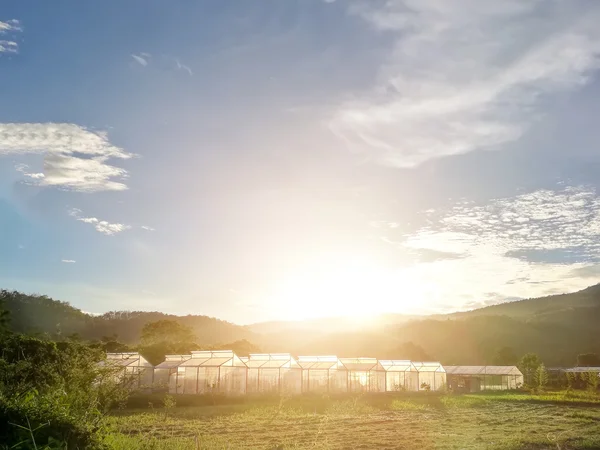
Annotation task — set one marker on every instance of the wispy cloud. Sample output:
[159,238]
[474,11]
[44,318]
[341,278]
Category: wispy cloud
[465,75]
[75,157]
[183,67]
[534,244]
[101,226]
[141,58]
[68,261]
[10,27]
[147,228]
[162,61]
[9,47]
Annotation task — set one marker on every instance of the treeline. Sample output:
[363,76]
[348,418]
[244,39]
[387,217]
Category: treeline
[557,328]
[42,315]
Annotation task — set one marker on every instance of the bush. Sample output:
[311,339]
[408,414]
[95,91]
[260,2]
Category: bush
[54,394]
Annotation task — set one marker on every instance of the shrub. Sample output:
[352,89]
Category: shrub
[54,394]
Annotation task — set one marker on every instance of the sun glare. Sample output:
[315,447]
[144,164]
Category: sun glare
[350,289]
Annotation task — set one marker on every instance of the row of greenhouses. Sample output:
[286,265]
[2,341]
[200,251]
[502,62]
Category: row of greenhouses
[223,372]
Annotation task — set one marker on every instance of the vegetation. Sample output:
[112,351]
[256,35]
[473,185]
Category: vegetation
[475,421]
[557,328]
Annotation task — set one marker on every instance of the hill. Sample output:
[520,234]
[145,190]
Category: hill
[41,314]
[557,327]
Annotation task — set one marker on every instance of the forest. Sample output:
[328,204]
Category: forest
[557,328]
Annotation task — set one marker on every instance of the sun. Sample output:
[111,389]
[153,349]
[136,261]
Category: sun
[350,288]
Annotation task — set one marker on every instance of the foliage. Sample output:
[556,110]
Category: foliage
[528,365]
[165,331]
[591,379]
[54,393]
[588,360]
[541,377]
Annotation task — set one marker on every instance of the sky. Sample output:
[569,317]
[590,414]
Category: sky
[274,160]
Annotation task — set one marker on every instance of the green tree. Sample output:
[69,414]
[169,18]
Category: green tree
[58,389]
[541,377]
[528,366]
[591,379]
[169,331]
[505,357]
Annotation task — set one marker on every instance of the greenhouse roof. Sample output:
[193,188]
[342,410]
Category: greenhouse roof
[360,364]
[270,360]
[482,370]
[212,358]
[397,365]
[320,362]
[429,367]
[125,359]
[172,361]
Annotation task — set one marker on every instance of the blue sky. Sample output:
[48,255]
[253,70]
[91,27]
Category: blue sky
[275,160]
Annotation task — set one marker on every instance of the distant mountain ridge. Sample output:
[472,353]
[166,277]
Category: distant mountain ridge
[557,327]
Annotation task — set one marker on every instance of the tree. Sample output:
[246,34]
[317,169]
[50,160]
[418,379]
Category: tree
[528,366]
[169,331]
[241,347]
[588,360]
[541,377]
[505,357]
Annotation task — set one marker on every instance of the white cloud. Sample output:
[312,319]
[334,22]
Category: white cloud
[68,261]
[147,228]
[9,27]
[183,67]
[9,47]
[465,75]
[75,157]
[535,244]
[141,58]
[101,226]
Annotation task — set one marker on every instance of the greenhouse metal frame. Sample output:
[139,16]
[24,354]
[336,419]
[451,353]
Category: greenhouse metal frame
[273,373]
[400,375]
[132,368]
[209,372]
[167,374]
[364,374]
[483,378]
[322,374]
[431,376]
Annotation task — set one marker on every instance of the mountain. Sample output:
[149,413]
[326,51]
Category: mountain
[557,327]
[41,314]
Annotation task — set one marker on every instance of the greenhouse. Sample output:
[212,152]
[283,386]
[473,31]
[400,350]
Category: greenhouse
[220,371]
[364,374]
[400,375]
[132,368]
[168,376]
[273,373]
[481,378]
[432,376]
[323,374]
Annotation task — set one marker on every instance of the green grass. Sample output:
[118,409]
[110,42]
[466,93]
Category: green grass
[473,421]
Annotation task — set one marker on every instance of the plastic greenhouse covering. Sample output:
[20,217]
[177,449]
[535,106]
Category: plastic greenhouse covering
[481,378]
[323,374]
[431,376]
[364,374]
[400,375]
[131,367]
[219,371]
[273,373]
[168,375]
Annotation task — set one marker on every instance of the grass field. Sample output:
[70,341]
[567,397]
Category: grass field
[474,421]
